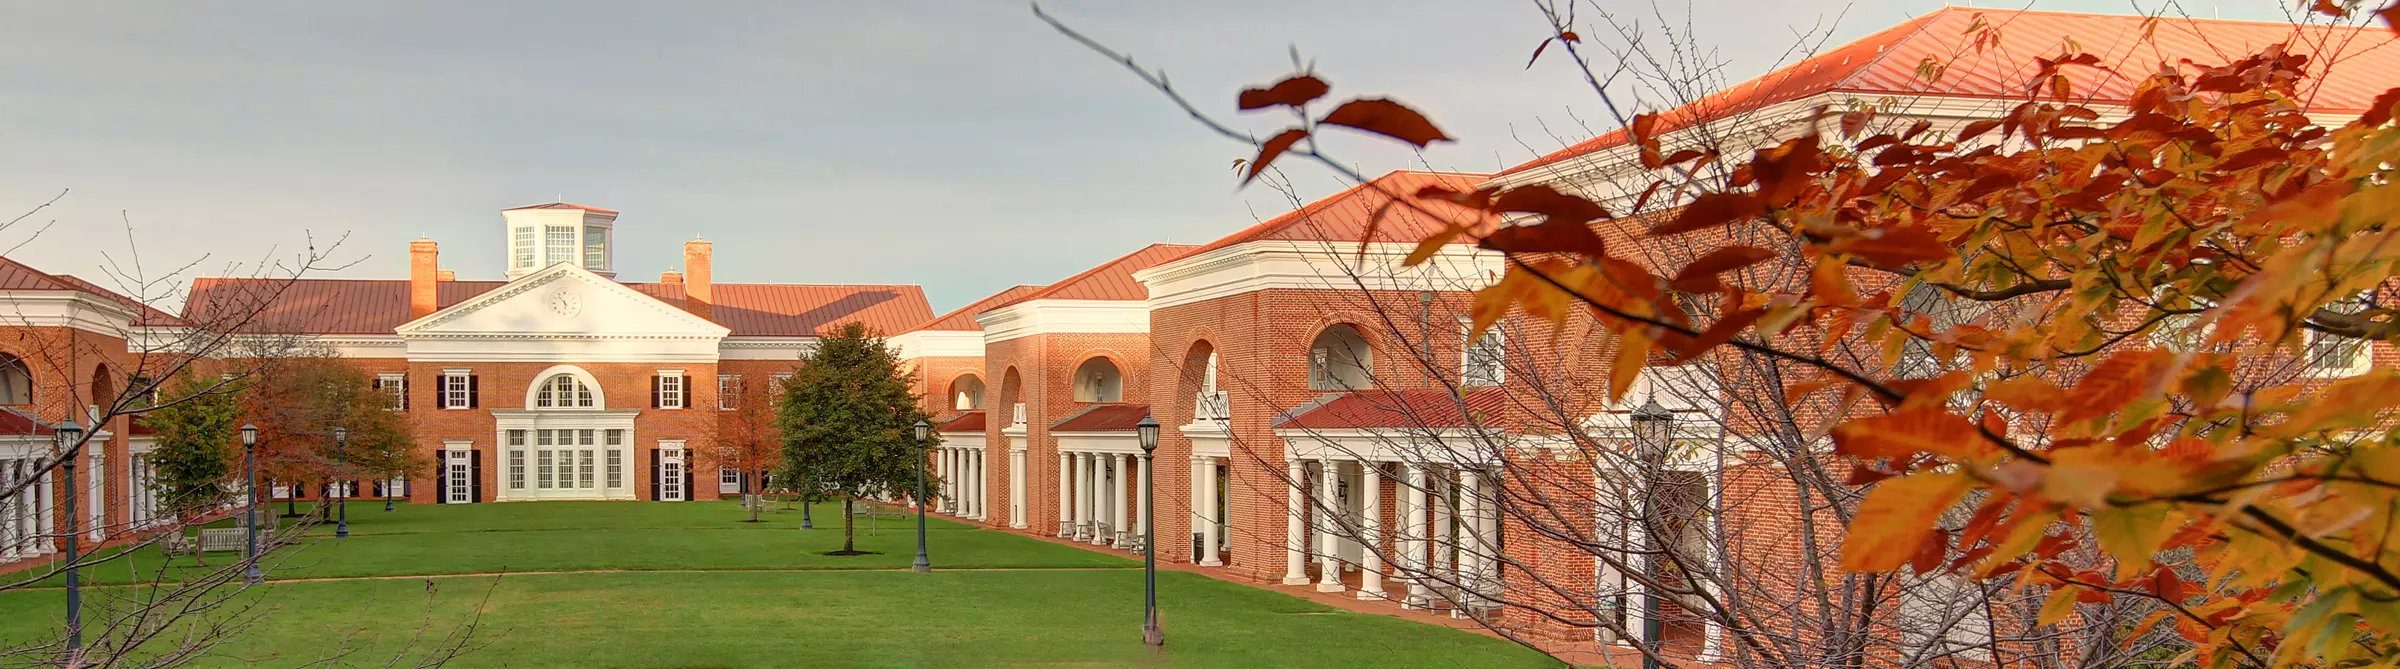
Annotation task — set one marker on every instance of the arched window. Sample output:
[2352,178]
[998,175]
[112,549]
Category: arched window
[966,393]
[563,391]
[1340,360]
[1097,380]
[16,382]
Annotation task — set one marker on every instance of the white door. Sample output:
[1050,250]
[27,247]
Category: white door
[461,486]
[670,474]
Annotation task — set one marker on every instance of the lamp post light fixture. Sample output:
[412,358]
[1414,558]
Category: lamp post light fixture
[250,573]
[1147,431]
[341,446]
[924,430]
[1653,436]
[70,436]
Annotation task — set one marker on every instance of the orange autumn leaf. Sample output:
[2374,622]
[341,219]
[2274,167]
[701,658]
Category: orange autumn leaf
[1897,518]
[1268,150]
[1905,433]
[1292,92]
[1387,118]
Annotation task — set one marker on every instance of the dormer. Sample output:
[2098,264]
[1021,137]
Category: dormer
[559,232]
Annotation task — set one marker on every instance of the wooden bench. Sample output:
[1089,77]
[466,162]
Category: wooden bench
[216,539]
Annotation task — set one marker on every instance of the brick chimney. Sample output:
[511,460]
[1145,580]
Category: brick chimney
[697,298]
[671,276]
[424,270]
[445,275]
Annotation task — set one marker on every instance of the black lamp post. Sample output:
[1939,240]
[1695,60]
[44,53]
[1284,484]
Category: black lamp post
[70,435]
[341,445]
[250,574]
[1147,431]
[808,496]
[923,565]
[1653,434]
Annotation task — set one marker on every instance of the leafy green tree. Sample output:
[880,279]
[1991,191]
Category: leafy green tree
[297,402]
[197,448]
[848,421]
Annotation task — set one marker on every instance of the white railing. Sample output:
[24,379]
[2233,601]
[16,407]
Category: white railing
[1214,406]
[1018,418]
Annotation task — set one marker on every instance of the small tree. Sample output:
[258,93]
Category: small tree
[847,419]
[746,442]
[296,402]
[196,452]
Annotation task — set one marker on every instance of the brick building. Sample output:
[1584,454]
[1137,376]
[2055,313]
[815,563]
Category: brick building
[562,382]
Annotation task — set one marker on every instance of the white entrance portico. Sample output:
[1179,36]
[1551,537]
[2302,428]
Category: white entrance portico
[1101,496]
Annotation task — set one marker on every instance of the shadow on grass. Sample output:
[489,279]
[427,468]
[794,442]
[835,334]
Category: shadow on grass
[850,553]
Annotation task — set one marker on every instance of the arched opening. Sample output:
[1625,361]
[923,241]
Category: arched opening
[565,388]
[16,381]
[1199,384]
[1097,380]
[1340,359]
[104,390]
[1012,392]
[966,393]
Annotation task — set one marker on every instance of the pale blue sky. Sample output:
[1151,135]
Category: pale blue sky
[959,145]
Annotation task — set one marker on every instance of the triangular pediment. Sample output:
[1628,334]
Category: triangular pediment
[565,301]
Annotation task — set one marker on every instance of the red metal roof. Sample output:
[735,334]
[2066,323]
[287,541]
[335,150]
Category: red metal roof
[1343,217]
[964,317]
[1103,418]
[1417,408]
[1112,280]
[1886,63]
[971,421]
[563,205]
[17,423]
[19,276]
[376,306]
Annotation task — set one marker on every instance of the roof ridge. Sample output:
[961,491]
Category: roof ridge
[1079,276]
[1921,22]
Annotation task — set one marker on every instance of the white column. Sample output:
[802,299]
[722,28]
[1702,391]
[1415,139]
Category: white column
[1116,497]
[1473,542]
[46,518]
[976,481]
[1370,530]
[1213,523]
[1328,508]
[1066,520]
[1444,565]
[1295,562]
[958,482]
[8,511]
[1412,539]
[1141,497]
[98,496]
[1016,488]
[1199,506]
[1083,496]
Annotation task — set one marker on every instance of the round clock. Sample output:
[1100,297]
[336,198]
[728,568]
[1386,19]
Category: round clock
[565,302]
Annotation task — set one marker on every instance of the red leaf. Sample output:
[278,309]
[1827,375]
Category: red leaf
[1855,121]
[1680,156]
[1553,236]
[1977,128]
[1644,129]
[1917,128]
[1717,334]
[1295,91]
[1701,275]
[1568,36]
[2379,112]
[1784,171]
[1387,118]
[1929,556]
[1893,246]
[1927,429]
[1267,151]
[1644,200]
[1711,210]
[1551,204]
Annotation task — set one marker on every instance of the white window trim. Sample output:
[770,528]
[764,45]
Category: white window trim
[671,393]
[729,392]
[1468,345]
[455,389]
[395,388]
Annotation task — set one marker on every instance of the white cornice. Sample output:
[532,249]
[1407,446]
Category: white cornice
[766,348]
[939,344]
[67,309]
[1125,442]
[1063,317]
[1269,264]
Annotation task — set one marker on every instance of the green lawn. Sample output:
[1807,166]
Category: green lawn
[1032,607]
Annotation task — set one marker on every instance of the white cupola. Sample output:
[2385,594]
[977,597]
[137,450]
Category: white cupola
[547,234]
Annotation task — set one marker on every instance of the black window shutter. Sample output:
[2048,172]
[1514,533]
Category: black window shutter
[475,474]
[654,381]
[474,391]
[441,477]
[403,393]
[655,465]
[687,403]
[687,483]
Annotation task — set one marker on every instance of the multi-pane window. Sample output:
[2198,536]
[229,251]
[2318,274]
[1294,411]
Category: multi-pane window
[595,247]
[520,246]
[729,392]
[543,465]
[516,459]
[559,243]
[729,480]
[670,389]
[775,388]
[457,389]
[563,391]
[583,463]
[2332,354]
[395,387]
[1484,362]
[615,458]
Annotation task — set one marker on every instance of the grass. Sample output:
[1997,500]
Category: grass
[823,611]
